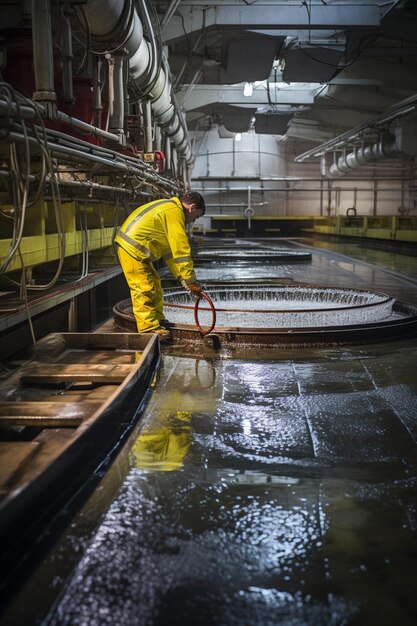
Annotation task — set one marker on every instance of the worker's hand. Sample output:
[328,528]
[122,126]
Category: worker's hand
[194,287]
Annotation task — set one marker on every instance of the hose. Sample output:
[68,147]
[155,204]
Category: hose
[213,311]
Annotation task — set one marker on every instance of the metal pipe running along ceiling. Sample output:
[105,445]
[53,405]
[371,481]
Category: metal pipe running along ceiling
[118,20]
[399,141]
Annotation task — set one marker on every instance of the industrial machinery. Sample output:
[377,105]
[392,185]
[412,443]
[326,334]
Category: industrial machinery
[89,129]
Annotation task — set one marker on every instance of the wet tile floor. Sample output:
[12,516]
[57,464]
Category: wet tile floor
[278,489]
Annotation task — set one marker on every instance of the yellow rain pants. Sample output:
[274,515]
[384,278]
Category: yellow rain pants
[165,447]
[161,450]
[145,291]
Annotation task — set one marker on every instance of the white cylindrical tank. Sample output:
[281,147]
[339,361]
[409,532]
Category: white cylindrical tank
[244,163]
[253,156]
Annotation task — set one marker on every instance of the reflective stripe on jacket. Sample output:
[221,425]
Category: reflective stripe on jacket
[157,230]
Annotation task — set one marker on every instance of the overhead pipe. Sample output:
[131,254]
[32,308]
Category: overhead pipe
[385,148]
[157,138]
[68,56]
[78,155]
[169,13]
[167,113]
[88,128]
[116,95]
[97,85]
[168,153]
[117,20]
[147,122]
[261,190]
[85,146]
[400,110]
[12,110]
[43,56]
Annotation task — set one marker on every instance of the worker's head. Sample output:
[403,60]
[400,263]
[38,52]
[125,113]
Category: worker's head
[194,206]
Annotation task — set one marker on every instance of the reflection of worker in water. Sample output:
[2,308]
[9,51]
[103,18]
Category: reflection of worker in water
[164,449]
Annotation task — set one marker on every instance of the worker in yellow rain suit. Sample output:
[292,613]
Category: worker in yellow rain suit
[153,231]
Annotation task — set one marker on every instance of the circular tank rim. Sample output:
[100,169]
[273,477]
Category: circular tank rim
[288,337]
[253,256]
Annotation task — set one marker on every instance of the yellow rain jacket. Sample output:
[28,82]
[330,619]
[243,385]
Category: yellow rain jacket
[157,230]
[153,231]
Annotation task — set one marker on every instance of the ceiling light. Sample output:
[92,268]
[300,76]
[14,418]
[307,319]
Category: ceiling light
[238,136]
[248,90]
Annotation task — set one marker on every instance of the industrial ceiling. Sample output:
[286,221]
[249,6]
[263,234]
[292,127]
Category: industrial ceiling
[333,77]
[315,69]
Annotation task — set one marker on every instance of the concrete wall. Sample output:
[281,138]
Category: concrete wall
[225,169]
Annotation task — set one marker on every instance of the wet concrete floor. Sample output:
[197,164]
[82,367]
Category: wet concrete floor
[276,489]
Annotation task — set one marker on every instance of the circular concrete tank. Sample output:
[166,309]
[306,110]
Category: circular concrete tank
[283,315]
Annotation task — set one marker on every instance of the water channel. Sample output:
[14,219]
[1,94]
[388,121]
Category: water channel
[274,489]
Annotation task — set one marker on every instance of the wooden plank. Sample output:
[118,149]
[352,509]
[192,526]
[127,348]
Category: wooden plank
[106,357]
[13,456]
[92,395]
[39,421]
[55,439]
[47,446]
[106,341]
[53,443]
[45,414]
[100,393]
[57,373]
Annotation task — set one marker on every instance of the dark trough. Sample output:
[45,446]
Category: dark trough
[67,414]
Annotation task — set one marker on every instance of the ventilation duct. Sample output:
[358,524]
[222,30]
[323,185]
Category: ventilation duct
[112,21]
[402,143]
[386,148]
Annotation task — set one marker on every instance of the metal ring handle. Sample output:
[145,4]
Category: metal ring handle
[213,310]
